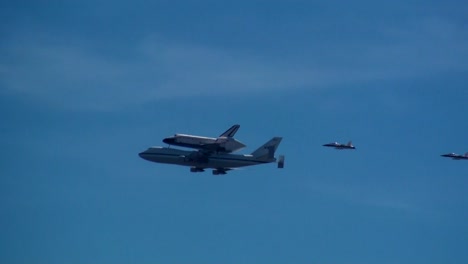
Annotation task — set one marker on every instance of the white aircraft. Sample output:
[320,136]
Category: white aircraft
[225,143]
[198,161]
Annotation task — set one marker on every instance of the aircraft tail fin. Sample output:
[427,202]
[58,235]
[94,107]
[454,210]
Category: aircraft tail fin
[267,151]
[231,131]
[350,144]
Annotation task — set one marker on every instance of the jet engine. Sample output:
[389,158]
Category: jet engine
[195,169]
[218,172]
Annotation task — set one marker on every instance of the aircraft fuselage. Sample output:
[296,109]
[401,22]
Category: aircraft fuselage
[339,146]
[198,160]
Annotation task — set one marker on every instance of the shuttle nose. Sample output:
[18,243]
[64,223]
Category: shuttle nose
[169,140]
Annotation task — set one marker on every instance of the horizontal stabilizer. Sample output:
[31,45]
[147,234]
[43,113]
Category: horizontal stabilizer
[281,162]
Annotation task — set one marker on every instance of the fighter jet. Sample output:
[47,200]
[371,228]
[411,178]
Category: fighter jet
[337,145]
[456,156]
[225,143]
[198,161]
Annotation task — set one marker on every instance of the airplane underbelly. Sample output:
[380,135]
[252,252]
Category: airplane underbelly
[220,163]
[208,162]
[185,161]
[165,159]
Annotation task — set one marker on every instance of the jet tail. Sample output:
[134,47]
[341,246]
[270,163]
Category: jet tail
[231,131]
[350,144]
[267,151]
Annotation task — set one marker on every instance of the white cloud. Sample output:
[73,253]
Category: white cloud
[73,76]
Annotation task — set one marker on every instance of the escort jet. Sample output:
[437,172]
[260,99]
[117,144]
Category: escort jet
[337,145]
[456,156]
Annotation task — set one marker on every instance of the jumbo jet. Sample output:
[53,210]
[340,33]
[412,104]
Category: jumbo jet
[337,145]
[456,156]
[198,161]
[225,143]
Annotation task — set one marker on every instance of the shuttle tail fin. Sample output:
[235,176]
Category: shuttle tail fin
[231,131]
[267,151]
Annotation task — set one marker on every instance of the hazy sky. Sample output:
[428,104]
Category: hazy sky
[86,86]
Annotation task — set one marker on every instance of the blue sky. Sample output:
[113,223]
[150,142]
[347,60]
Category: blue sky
[86,86]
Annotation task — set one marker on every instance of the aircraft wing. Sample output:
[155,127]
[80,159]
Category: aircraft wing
[223,145]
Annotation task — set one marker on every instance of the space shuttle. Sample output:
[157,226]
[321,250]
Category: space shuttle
[224,143]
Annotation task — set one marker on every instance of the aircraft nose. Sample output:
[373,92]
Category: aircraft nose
[169,140]
[144,155]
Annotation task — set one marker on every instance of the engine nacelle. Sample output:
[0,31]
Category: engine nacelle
[194,169]
[219,172]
